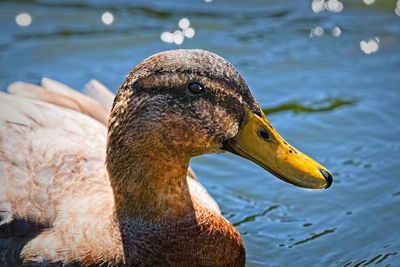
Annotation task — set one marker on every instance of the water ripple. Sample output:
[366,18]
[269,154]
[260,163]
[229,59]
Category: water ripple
[314,236]
[376,260]
[253,217]
[324,105]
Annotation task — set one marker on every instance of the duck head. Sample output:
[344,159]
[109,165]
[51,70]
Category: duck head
[192,102]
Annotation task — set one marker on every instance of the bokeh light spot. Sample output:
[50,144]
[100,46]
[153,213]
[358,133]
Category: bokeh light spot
[334,6]
[184,23]
[368,2]
[317,31]
[23,19]
[189,32]
[107,18]
[330,5]
[397,11]
[336,31]
[178,37]
[318,5]
[167,37]
[370,46]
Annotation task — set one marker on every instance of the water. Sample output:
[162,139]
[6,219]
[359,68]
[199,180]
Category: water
[323,94]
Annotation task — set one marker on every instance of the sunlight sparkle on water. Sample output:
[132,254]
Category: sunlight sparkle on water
[184,23]
[317,31]
[318,5]
[189,32]
[23,19]
[179,35]
[336,32]
[107,18]
[334,6]
[167,37]
[370,46]
[330,5]
[368,2]
[397,9]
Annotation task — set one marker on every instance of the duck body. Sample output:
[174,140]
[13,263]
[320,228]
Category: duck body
[57,205]
[201,239]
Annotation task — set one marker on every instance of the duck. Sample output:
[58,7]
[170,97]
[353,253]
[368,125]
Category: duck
[96,180]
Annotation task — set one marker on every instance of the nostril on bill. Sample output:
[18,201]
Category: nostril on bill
[264,134]
[328,177]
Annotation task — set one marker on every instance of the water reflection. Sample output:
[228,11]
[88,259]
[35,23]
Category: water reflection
[253,217]
[375,260]
[323,105]
[313,236]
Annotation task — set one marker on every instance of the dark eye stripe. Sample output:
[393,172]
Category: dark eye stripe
[196,88]
[258,113]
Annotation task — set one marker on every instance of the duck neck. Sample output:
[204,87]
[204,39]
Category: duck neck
[148,183]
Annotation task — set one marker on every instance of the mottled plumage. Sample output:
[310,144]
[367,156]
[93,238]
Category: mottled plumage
[58,203]
[74,193]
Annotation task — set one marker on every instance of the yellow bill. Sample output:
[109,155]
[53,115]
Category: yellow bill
[260,143]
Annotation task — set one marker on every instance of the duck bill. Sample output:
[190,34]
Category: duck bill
[258,141]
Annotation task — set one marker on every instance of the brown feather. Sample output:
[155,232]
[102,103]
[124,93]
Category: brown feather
[59,205]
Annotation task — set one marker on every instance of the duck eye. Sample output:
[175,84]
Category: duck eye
[264,134]
[196,88]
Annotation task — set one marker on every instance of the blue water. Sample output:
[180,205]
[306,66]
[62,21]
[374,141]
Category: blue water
[354,223]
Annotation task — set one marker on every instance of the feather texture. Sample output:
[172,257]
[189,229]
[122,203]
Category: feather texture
[54,185]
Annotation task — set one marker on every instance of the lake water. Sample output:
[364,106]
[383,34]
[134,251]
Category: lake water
[323,94]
